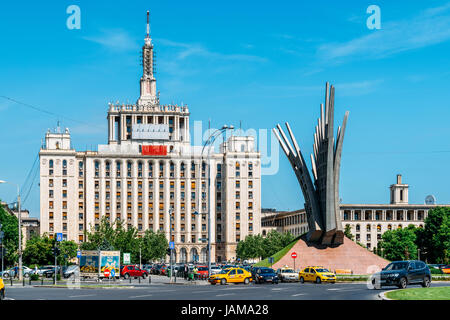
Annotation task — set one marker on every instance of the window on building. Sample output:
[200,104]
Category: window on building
[50,215]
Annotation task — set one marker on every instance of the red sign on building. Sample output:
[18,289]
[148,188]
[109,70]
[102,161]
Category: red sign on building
[154,150]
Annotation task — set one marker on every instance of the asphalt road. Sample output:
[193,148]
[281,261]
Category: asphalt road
[282,291]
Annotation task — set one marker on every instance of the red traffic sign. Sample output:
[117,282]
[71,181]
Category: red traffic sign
[294,255]
[106,273]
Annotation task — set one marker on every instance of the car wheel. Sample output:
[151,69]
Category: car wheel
[246,281]
[426,282]
[26,275]
[402,283]
[302,280]
[223,281]
[126,276]
[6,276]
[144,276]
[318,280]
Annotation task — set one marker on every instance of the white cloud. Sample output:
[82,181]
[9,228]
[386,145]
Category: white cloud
[189,49]
[117,39]
[430,27]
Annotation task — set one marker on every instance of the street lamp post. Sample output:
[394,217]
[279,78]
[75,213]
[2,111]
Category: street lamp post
[170,240]
[19,218]
[210,142]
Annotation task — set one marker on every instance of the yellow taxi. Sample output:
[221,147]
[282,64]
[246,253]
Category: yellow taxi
[2,289]
[231,275]
[317,274]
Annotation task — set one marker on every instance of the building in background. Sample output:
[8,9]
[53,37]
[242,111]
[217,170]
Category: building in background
[367,222]
[147,168]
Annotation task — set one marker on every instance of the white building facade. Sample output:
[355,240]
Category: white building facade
[148,168]
[367,222]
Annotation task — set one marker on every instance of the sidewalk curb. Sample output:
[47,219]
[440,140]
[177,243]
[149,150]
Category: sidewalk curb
[382,295]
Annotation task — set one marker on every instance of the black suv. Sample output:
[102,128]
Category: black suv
[402,273]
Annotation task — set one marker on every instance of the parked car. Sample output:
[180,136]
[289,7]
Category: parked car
[163,270]
[402,273]
[202,272]
[231,275]
[317,274]
[215,269]
[41,270]
[287,275]
[2,290]
[128,271]
[12,272]
[50,273]
[263,275]
[70,271]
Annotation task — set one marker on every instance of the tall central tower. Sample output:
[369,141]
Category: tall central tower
[148,82]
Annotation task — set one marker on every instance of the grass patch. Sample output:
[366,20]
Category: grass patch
[437,293]
[277,256]
[346,278]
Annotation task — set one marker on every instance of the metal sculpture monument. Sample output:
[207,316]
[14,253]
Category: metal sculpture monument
[322,196]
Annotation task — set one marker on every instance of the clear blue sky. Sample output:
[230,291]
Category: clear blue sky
[261,62]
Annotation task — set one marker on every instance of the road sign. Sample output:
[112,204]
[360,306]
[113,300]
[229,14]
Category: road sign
[59,237]
[294,255]
[171,245]
[126,258]
[78,254]
[113,273]
[271,260]
[106,273]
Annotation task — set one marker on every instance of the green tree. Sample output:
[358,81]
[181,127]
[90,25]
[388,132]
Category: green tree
[68,251]
[116,237]
[10,227]
[435,237]
[153,245]
[348,232]
[39,251]
[399,244]
[250,248]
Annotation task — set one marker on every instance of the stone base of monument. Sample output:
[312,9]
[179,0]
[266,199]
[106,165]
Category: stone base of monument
[347,256]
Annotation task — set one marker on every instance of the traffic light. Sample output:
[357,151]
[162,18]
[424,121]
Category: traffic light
[168,252]
[56,251]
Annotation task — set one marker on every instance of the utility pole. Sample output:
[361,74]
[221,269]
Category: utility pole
[171,250]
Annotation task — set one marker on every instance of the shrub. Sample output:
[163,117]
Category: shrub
[34,277]
[436,271]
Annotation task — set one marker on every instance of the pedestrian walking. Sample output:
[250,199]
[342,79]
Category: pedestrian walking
[186,270]
[195,272]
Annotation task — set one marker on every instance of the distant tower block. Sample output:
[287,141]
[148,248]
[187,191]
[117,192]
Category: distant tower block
[322,196]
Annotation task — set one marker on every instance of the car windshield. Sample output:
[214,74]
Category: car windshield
[202,269]
[322,270]
[224,271]
[266,271]
[287,271]
[396,266]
